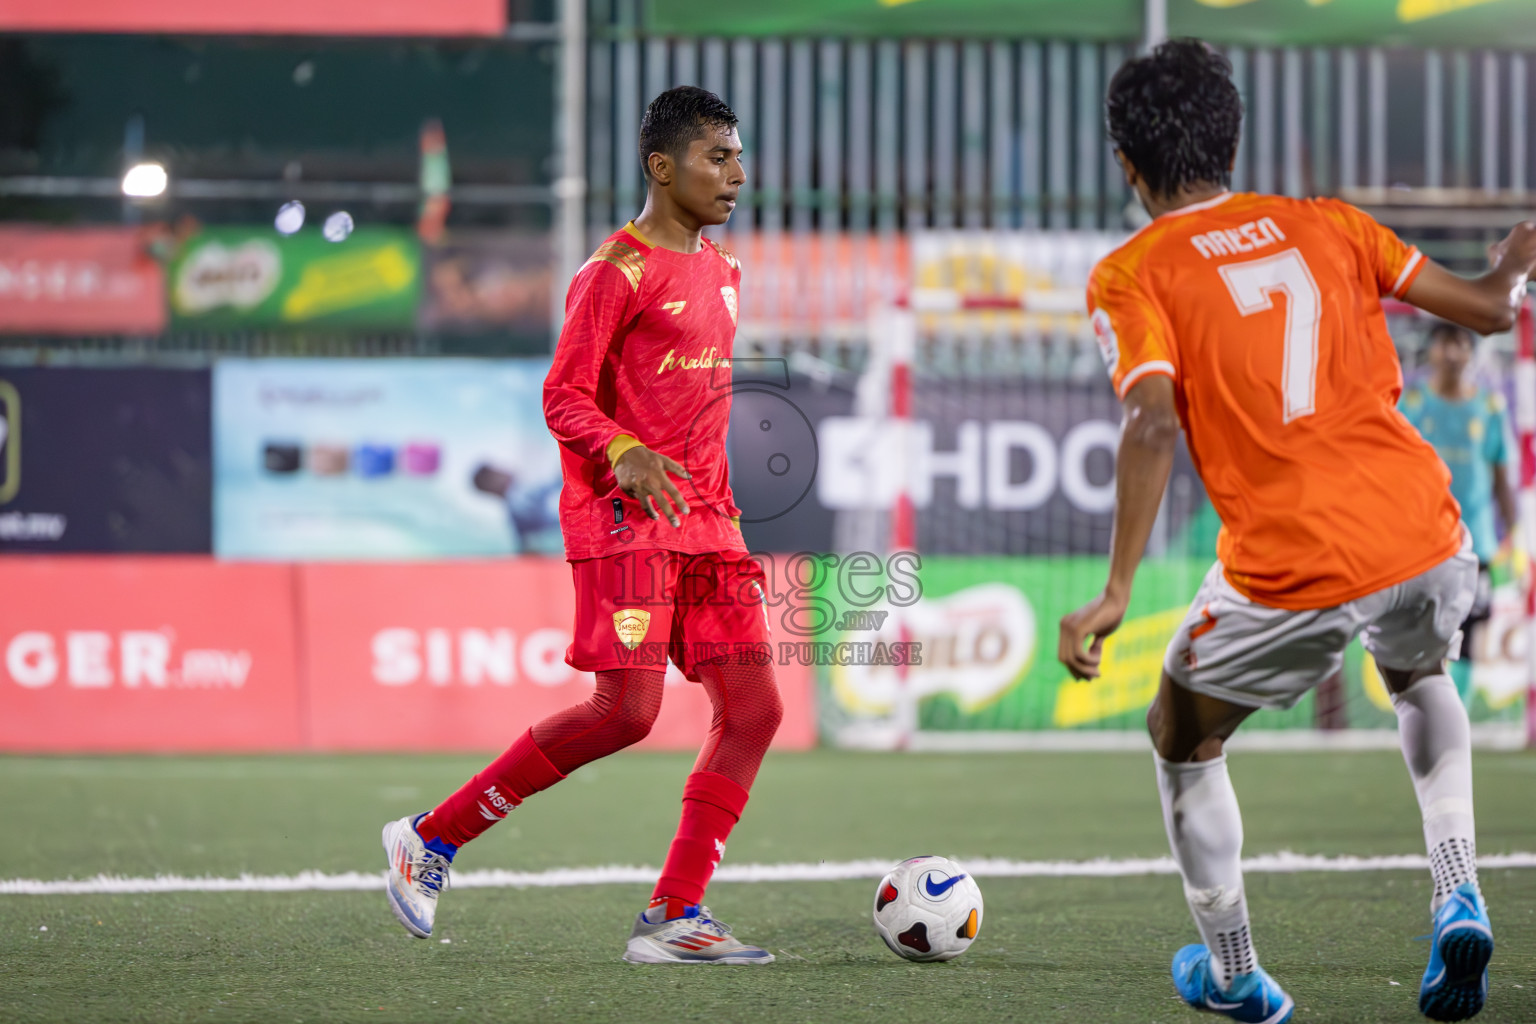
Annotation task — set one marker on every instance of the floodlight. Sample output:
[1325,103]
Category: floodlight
[145,180]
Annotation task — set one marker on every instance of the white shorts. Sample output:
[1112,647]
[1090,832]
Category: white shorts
[1243,652]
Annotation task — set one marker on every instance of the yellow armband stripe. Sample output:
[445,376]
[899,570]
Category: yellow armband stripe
[621,444]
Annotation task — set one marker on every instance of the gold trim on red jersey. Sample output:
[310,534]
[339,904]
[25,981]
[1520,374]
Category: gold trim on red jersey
[725,254]
[630,227]
[622,255]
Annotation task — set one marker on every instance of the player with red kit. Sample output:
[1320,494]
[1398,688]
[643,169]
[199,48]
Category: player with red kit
[639,394]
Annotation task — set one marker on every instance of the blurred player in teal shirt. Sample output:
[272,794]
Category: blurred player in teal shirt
[1466,425]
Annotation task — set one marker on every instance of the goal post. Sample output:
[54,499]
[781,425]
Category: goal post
[898,328]
[1525,425]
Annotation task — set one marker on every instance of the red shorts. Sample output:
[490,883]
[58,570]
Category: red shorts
[637,609]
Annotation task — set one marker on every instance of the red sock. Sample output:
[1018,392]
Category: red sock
[488,797]
[712,804]
[675,907]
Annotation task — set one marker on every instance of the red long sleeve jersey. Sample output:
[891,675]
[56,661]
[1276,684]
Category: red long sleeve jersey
[645,351]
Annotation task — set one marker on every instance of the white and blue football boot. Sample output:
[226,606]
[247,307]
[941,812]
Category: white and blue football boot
[418,873]
[1253,998]
[1456,981]
[693,937]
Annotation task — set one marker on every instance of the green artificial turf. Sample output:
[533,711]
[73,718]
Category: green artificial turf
[1078,949]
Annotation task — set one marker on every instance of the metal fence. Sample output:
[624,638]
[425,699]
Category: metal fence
[853,144]
[871,135]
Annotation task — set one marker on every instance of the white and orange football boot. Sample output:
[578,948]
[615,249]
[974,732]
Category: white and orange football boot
[417,876]
[694,937]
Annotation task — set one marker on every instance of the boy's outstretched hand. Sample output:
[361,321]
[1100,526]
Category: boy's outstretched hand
[1097,619]
[642,474]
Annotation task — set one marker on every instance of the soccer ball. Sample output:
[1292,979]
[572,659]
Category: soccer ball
[928,908]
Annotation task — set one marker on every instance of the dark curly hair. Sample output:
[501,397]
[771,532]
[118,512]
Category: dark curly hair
[676,118]
[1176,115]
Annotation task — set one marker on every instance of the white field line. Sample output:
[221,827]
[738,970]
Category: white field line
[1485,736]
[826,871]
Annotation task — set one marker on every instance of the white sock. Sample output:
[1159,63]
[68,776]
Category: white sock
[1437,745]
[1205,831]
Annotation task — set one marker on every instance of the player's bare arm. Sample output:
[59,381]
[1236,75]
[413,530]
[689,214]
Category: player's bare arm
[1148,436]
[643,475]
[1485,304]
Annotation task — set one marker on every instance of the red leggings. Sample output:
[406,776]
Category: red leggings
[747,711]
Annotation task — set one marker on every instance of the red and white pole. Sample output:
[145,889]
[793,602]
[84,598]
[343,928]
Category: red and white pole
[899,333]
[1525,426]
[903,536]
[903,515]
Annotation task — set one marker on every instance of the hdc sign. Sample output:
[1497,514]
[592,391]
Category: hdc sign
[863,459]
[147,654]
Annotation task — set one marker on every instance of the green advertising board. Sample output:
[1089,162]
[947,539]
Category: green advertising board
[226,277]
[988,629]
[1504,24]
[1040,19]
[1493,23]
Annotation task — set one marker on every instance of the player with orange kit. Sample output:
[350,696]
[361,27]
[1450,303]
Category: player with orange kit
[639,394]
[1255,323]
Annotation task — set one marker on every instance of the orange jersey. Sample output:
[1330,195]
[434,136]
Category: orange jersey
[1266,312]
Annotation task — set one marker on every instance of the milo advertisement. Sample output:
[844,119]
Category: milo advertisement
[982,666]
[254,277]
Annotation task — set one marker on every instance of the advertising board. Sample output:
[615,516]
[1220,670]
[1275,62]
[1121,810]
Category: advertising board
[988,632]
[186,654]
[79,281]
[275,17]
[105,459]
[137,654]
[382,459]
[468,656]
[233,277]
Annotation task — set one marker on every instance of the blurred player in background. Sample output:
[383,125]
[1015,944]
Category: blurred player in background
[1467,424]
[533,510]
[639,394]
[1255,322]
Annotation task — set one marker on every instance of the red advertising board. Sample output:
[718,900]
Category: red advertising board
[467,656]
[79,281]
[146,654]
[102,654]
[248,17]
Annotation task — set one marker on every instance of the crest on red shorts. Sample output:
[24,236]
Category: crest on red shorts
[631,624]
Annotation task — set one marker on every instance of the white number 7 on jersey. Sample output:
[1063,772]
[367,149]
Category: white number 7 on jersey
[1253,284]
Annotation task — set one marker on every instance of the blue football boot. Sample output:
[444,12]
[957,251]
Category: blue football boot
[1254,998]
[1456,981]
